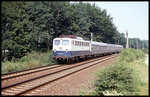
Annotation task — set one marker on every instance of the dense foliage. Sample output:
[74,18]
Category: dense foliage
[28,26]
[118,77]
[130,55]
[122,77]
[15,34]
[30,60]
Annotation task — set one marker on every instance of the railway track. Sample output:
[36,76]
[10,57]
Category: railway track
[19,84]
[20,76]
[26,71]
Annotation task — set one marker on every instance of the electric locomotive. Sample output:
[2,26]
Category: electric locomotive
[69,48]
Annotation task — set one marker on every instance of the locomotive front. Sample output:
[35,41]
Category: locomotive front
[61,49]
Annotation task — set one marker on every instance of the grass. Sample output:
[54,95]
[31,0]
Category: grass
[142,68]
[128,76]
[31,60]
[119,77]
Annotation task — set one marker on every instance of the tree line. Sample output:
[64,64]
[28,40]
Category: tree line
[28,26]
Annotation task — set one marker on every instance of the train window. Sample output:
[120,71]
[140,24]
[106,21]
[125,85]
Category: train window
[65,42]
[75,43]
[57,42]
[72,42]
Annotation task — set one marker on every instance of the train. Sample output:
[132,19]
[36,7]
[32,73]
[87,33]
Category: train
[69,48]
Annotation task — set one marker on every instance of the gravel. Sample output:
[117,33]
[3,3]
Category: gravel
[74,83]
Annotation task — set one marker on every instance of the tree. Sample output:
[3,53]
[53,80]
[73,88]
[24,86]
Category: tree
[15,37]
[48,20]
[133,43]
[30,26]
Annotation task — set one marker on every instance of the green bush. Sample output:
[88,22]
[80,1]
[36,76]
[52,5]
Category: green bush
[30,60]
[30,56]
[129,55]
[122,77]
[145,51]
[11,67]
[119,77]
[140,54]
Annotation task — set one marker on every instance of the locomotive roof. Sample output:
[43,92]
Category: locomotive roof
[93,42]
[79,39]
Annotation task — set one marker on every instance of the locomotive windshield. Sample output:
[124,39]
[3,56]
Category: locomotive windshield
[57,42]
[65,42]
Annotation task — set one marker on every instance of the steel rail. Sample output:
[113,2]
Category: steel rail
[64,76]
[46,74]
[29,72]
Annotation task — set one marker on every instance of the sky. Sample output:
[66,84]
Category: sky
[130,16]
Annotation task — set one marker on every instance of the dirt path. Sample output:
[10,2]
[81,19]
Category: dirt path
[146,61]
